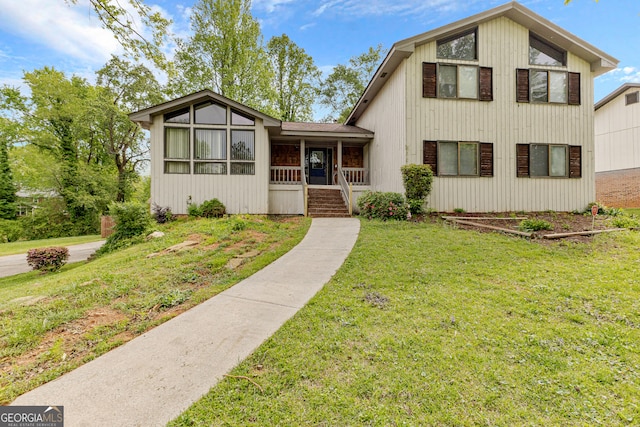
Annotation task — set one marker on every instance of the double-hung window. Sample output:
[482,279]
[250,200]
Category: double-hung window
[549,160]
[459,158]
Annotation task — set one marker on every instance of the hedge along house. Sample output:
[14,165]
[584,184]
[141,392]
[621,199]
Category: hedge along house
[617,136]
[500,105]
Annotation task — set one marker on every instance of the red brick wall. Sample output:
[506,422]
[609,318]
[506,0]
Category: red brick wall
[619,189]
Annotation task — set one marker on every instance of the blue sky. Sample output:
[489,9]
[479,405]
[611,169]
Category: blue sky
[38,33]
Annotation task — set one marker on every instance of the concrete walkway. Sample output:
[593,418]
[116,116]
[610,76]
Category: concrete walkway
[157,376]
[16,264]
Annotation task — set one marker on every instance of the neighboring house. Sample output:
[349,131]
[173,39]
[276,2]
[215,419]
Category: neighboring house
[617,133]
[499,104]
[27,200]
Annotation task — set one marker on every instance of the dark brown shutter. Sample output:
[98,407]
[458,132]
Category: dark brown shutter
[430,155]
[574,88]
[486,159]
[486,84]
[429,80]
[522,85]
[575,161]
[522,159]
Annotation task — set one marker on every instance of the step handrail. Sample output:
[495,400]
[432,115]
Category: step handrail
[346,189]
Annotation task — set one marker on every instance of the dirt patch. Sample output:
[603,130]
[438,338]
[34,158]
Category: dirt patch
[560,222]
[64,343]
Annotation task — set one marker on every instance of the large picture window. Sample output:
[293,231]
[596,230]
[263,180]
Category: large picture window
[460,46]
[459,158]
[176,150]
[210,144]
[242,152]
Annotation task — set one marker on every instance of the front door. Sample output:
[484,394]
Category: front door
[318,163]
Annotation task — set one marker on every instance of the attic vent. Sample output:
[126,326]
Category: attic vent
[632,98]
[383,75]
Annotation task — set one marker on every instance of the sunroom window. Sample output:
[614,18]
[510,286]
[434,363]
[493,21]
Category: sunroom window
[176,150]
[210,113]
[180,116]
[242,152]
[460,46]
[210,145]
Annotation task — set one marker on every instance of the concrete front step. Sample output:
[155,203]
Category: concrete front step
[327,204]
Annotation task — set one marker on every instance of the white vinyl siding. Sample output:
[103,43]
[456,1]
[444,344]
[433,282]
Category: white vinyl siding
[504,46]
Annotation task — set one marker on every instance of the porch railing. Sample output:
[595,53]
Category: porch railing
[356,176]
[286,174]
[345,188]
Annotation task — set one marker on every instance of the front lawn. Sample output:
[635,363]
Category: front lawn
[51,324]
[23,246]
[426,324]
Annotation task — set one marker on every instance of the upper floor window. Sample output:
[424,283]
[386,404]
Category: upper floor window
[241,119]
[632,98]
[210,113]
[459,46]
[547,86]
[457,81]
[179,116]
[544,53]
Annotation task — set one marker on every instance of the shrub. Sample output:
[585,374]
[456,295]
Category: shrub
[162,214]
[10,230]
[208,209]
[534,225]
[381,205]
[417,181]
[47,259]
[132,221]
[213,208]
[603,210]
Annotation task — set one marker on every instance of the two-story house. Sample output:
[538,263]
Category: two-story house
[500,105]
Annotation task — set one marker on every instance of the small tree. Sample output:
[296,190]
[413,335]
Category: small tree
[417,181]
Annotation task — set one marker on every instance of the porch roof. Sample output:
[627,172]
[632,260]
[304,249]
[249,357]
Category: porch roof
[324,130]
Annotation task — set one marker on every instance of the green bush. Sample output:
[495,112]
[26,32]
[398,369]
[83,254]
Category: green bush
[162,214]
[213,208]
[47,259]
[381,205]
[132,222]
[208,209]
[534,225]
[417,181]
[10,230]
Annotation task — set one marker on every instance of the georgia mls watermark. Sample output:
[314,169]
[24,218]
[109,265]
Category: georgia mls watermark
[31,416]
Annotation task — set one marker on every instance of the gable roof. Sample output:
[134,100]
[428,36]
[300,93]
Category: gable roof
[616,93]
[145,117]
[599,60]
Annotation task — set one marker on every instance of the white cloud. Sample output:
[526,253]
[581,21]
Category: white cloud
[270,5]
[71,30]
[626,74]
[389,7]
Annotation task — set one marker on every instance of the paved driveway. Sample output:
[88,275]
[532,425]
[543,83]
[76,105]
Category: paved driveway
[16,264]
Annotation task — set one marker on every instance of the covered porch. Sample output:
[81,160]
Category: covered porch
[317,155]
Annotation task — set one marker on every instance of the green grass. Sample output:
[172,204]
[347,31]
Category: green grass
[429,325]
[22,247]
[632,211]
[50,324]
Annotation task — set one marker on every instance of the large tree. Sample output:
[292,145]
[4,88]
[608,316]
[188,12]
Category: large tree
[224,54]
[346,83]
[118,18]
[123,88]
[296,79]
[7,187]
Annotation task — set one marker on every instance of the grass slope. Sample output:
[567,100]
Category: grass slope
[50,324]
[429,325]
